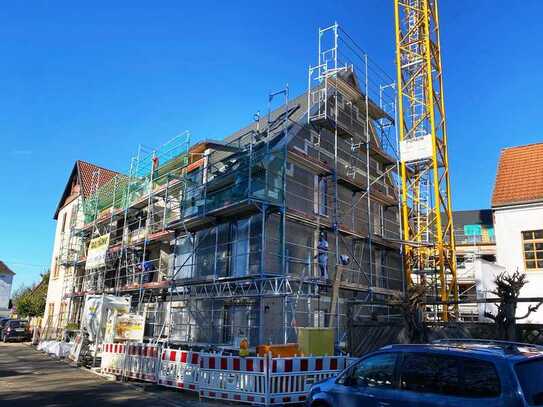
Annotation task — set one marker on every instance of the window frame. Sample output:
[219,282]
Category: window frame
[533,240]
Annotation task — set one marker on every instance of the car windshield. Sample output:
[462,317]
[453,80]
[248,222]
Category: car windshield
[530,376]
[17,324]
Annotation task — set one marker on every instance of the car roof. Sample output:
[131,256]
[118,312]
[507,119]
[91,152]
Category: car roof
[489,350]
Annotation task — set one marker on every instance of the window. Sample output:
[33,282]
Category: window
[530,376]
[427,373]
[55,269]
[63,222]
[375,371]
[50,312]
[449,375]
[323,196]
[480,379]
[532,241]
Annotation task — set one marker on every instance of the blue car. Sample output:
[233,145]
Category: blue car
[460,373]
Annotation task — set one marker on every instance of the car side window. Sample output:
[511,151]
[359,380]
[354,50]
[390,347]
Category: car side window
[429,373]
[480,379]
[449,375]
[375,371]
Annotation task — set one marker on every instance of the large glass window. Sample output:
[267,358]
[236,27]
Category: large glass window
[532,241]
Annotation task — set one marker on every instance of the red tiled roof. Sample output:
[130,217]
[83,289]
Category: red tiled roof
[520,175]
[87,178]
[4,268]
[83,172]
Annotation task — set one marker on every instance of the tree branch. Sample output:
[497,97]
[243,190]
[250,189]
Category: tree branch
[531,308]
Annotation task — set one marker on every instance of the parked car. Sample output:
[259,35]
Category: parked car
[3,322]
[15,330]
[444,373]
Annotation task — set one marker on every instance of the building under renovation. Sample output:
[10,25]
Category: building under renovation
[290,222]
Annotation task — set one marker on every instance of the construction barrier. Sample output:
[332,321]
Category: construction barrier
[113,358]
[291,378]
[179,369]
[234,378]
[141,362]
[255,380]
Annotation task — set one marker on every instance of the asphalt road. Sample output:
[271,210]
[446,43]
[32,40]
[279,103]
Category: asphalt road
[31,378]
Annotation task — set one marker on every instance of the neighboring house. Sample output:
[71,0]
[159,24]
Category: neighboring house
[475,256]
[517,204]
[67,245]
[6,280]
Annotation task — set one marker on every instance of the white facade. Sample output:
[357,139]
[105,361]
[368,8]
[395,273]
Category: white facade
[509,223]
[55,304]
[6,280]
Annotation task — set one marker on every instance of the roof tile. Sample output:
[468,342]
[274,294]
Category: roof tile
[520,175]
[86,173]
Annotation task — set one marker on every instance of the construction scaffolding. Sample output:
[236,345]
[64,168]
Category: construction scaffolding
[291,222]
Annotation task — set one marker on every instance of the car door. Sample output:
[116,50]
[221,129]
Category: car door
[371,383]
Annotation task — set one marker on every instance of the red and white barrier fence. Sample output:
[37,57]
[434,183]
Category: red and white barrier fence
[113,358]
[255,380]
[141,362]
[291,378]
[234,378]
[179,369]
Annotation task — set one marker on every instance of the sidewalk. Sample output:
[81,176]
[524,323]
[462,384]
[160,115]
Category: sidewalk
[31,378]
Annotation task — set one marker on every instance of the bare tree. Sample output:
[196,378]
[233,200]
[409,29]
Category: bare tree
[411,305]
[507,290]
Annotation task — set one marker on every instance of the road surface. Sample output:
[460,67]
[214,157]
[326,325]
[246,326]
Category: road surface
[31,378]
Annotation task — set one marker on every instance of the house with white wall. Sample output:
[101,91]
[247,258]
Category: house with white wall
[517,205]
[6,281]
[69,216]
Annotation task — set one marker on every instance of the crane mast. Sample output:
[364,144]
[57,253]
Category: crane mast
[428,234]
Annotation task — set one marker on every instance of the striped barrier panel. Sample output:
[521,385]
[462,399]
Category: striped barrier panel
[141,362]
[291,378]
[234,378]
[113,358]
[179,369]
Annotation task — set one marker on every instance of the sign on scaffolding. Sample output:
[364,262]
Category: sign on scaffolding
[416,149]
[129,327]
[96,254]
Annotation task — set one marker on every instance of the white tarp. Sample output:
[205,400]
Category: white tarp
[96,310]
[96,254]
[416,149]
[55,348]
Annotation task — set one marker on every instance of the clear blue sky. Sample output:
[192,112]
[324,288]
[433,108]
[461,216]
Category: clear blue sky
[93,81]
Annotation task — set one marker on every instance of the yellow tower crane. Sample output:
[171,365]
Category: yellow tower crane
[427,222]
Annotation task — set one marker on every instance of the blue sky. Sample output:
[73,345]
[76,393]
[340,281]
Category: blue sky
[92,82]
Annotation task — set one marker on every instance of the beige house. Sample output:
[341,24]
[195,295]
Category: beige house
[82,180]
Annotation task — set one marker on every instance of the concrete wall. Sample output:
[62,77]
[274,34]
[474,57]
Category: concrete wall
[509,223]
